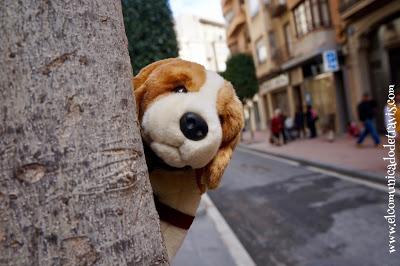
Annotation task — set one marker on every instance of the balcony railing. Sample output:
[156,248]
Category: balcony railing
[346,4]
[352,8]
[238,20]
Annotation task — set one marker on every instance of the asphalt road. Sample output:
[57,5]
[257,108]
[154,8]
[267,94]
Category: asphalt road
[288,214]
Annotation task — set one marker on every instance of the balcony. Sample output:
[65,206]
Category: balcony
[355,8]
[277,8]
[279,56]
[236,23]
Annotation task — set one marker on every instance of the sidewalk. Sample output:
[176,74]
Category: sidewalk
[202,245]
[341,154]
[210,241]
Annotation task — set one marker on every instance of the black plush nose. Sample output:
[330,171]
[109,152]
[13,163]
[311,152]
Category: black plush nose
[193,126]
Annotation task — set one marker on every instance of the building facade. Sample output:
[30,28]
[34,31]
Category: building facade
[298,59]
[239,41]
[324,53]
[371,46]
[202,41]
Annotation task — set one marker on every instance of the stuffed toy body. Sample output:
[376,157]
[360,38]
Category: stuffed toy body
[190,121]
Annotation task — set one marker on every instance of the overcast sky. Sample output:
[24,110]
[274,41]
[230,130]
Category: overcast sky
[210,9]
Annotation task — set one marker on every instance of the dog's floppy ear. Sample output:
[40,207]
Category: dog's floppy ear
[138,89]
[231,114]
[215,169]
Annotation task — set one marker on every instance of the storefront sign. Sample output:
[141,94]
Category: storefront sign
[280,81]
[331,62]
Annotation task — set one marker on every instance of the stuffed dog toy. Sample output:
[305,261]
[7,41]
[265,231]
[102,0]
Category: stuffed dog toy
[190,121]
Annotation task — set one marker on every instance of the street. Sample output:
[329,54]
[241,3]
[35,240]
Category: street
[287,214]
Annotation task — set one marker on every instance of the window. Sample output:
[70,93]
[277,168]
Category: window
[288,38]
[310,15]
[300,20]
[272,39]
[309,20]
[315,12]
[229,16]
[253,7]
[261,50]
[325,18]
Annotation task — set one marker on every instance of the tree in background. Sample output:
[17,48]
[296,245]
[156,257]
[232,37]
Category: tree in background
[240,71]
[150,30]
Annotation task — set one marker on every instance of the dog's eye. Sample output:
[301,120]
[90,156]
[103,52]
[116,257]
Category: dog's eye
[180,89]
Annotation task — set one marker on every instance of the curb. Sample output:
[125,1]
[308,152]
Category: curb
[357,174]
[235,248]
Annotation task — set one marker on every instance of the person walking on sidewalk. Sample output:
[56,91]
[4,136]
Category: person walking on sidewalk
[311,117]
[366,113]
[299,122]
[276,127]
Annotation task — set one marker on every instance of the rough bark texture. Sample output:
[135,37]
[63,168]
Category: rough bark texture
[73,180]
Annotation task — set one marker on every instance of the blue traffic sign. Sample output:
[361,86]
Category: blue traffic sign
[330,60]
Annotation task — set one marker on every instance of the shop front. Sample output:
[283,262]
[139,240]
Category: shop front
[275,95]
[319,92]
[323,89]
[317,82]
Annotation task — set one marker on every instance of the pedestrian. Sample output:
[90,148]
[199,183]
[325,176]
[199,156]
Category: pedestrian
[330,127]
[311,117]
[288,128]
[276,127]
[366,113]
[353,130]
[299,122]
[283,131]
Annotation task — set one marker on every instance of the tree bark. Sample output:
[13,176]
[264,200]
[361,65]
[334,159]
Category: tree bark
[74,187]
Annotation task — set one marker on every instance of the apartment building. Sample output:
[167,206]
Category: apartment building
[324,53]
[238,40]
[371,46]
[297,57]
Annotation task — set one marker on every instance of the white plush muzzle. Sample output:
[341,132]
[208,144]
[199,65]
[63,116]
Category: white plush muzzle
[161,125]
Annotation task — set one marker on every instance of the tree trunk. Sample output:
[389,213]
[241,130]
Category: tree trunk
[74,187]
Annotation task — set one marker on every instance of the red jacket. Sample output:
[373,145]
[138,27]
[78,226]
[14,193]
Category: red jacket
[276,125]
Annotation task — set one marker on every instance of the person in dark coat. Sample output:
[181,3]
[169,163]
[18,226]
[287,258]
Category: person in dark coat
[299,122]
[366,113]
[311,118]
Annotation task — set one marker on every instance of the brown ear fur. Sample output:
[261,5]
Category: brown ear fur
[216,168]
[231,110]
[141,78]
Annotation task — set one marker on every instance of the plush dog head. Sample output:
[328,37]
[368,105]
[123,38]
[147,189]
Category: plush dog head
[189,116]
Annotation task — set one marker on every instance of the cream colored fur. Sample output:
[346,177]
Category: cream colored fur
[162,132]
[179,190]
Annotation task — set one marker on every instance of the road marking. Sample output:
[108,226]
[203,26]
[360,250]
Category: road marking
[272,157]
[349,178]
[232,243]
[366,183]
